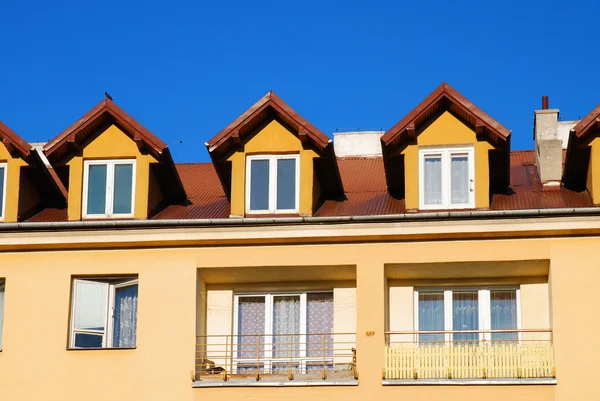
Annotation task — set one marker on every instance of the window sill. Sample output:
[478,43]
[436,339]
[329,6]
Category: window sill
[275,383]
[467,382]
[101,349]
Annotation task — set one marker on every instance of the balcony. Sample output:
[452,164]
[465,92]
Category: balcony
[469,356]
[276,359]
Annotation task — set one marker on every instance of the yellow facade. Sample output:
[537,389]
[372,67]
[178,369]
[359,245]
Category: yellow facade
[110,144]
[13,178]
[593,175]
[274,138]
[447,130]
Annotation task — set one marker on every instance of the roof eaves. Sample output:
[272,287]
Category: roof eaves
[11,139]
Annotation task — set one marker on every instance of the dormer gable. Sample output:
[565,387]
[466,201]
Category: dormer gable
[290,163]
[446,134]
[26,185]
[113,167]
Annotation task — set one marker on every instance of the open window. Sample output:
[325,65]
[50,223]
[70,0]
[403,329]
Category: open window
[104,312]
[2,190]
[446,178]
[272,184]
[108,188]
[473,310]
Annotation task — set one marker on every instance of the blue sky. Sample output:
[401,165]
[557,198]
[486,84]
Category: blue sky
[187,69]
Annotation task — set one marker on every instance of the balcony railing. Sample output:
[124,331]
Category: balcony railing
[276,356]
[469,354]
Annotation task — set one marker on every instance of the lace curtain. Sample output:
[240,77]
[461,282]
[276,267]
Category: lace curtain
[251,320]
[126,300]
[433,180]
[431,315]
[460,179]
[503,305]
[319,319]
[286,320]
[465,315]
[1,309]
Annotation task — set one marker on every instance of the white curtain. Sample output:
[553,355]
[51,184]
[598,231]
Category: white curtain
[319,321]
[126,299]
[465,314]
[433,180]
[460,179]
[286,320]
[251,326]
[503,305]
[1,309]
[431,315]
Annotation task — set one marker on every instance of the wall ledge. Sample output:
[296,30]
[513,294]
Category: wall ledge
[467,382]
[279,383]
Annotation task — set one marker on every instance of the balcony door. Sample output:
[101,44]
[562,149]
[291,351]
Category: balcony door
[274,333]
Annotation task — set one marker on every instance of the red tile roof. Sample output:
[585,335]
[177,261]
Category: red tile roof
[365,192]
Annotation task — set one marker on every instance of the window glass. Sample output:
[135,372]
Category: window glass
[465,314]
[251,323]
[319,322]
[123,188]
[87,340]
[96,196]
[286,320]
[503,304]
[125,316]
[90,305]
[2,172]
[259,185]
[431,315]
[460,179]
[433,180]
[2,286]
[286,184]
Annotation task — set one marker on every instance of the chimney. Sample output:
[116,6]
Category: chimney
[548,146]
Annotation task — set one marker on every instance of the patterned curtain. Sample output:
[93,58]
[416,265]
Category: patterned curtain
[465,314]
[1,309]
[286,320]
[504,313]
[431,315]
[126,300]
[251,326]
[319,320]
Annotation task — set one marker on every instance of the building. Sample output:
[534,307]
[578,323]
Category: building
[425,262]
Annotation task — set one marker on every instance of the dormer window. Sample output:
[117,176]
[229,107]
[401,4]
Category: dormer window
[272,184]
[446,178]
[2,190]
[108,188]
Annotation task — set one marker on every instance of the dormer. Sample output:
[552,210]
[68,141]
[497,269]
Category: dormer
[113,167]
[271,161]
[446,154]
[26,185]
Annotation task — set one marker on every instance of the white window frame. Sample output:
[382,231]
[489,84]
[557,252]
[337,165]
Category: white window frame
[110,181]
[267,360]
[272,183]
[446,154]
[3,208]
[108,332]
[483,297]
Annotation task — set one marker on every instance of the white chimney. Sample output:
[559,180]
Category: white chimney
[548,146]
[357,143]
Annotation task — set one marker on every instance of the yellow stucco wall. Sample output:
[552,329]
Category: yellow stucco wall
[34,364]
[13,176]
[593,175]
[447,130]
[272,139]
[111,144]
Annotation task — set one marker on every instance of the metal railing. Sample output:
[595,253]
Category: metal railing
[312,355]
[469,354]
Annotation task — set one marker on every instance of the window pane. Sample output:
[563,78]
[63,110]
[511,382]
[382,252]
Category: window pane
[503,304]
[286,184]
[319,321]
[1,309]
[123,188]
[85,340]
[432,180]
[96,196]
[460,179]
[2,171]
[465,314]
[259,185]
[126,300]
[286,320]
[251,324]
[431,315]
[90,305]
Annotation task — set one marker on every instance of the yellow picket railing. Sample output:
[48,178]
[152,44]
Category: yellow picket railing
[528,355]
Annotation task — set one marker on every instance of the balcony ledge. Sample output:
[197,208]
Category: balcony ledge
[279,383]
[467,382]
